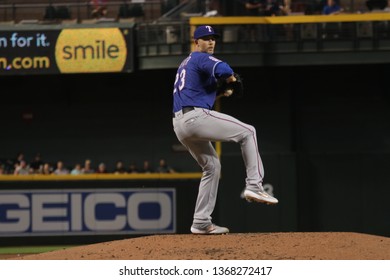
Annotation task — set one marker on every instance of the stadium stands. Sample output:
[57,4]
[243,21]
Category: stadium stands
[56,11]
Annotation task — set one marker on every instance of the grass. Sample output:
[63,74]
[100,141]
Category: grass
[31,249]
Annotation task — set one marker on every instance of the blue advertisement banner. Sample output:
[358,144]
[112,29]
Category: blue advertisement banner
[83,211]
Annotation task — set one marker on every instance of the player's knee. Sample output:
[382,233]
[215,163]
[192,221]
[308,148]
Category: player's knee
[212,167]
[250,131]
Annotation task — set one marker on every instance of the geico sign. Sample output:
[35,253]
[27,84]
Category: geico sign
[82,211]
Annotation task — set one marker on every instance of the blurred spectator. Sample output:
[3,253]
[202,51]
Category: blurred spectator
[36,164]
[119,168]
[102,169]
[332,7]
[253,7]
[76,169]
[147,168]
[87,168]
[16,162]
[47,169]
[387,8]
[213,8]
[19,158]
[253,32]
[285,7]
[133,168]
[163,167]
[61,169]
[22,168]
[276,7]
[99,8]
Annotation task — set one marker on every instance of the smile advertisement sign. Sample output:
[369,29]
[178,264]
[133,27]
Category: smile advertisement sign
[78,50]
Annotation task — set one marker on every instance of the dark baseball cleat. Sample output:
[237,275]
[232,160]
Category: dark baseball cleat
[260,196]
[211,229]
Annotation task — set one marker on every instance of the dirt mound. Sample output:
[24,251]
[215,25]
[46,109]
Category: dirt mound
[240,246]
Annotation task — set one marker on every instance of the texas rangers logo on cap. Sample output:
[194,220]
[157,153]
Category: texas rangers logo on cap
[203,31]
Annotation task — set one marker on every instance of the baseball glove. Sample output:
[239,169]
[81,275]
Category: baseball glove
[233,88]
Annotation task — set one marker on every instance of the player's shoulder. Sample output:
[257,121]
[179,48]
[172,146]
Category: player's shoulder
[205,56]
[199,54]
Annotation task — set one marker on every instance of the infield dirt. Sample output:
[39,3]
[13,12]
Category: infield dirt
[233,246]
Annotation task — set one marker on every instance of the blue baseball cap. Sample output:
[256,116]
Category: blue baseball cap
[205,30]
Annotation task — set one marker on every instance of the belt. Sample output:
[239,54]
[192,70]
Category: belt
[185,110]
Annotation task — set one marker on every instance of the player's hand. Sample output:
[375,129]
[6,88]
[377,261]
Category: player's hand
[230,86]
[228,92]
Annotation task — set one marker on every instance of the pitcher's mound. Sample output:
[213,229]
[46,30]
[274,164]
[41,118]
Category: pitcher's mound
[237,246]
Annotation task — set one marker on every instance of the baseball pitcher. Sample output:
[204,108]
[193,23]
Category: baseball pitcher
[199,79]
